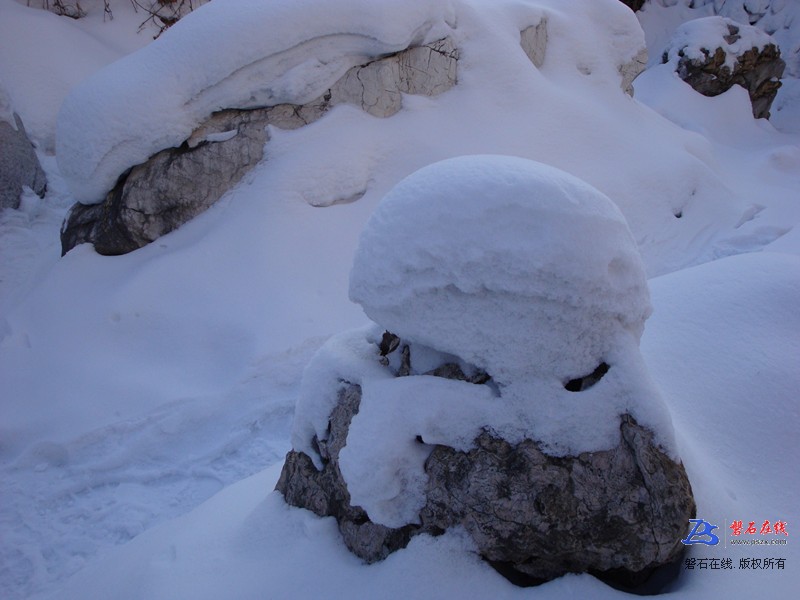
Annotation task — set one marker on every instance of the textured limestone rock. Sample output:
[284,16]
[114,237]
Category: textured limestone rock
[619,513]
[177,184]
[534,42]
[621,509]
[631,70]
[19,165]
[758,70]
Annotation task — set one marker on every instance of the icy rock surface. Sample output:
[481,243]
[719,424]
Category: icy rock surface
[507,395]
[714,53]
[178,184]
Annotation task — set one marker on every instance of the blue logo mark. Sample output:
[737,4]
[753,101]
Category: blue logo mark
[701,533]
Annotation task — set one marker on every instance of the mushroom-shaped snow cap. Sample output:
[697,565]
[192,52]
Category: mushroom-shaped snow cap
[513,265]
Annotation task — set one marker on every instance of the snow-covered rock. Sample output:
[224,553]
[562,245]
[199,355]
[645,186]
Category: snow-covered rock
[177,184]
[513,401]
[214,58]
[714,53]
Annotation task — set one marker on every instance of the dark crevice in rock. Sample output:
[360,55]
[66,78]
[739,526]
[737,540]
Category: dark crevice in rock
[584,383]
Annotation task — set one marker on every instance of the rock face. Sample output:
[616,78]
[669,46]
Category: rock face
[19,165]
[618,514]
[177,184]
[729,62]
[623,509]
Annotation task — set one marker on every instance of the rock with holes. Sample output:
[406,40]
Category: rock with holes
[714,53]
[506,394]
[177,184]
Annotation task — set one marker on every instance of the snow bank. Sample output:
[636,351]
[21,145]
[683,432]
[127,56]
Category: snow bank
[698,38]
[230,54]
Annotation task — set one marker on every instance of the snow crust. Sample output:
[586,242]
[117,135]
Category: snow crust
[230,54]
[699,38]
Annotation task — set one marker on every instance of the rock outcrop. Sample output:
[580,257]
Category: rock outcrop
[19,165]
[177,184]
[728,61]
[619,513]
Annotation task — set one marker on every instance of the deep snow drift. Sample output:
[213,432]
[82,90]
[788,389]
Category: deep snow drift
[136,387]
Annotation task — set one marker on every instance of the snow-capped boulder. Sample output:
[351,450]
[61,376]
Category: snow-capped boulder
[19,165]
[714,53]
[177,184]
[510,398]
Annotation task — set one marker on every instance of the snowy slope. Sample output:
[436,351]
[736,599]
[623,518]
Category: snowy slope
[137,387]
[736,415]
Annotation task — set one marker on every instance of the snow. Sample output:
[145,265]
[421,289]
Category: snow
[232,54]
[699,38]
[480,256]
[147,399]
[736,421]
[43,56]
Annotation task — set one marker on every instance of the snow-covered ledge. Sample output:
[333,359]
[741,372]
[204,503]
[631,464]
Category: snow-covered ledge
[264,54]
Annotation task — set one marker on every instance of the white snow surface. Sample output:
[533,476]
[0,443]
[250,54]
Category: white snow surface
[699,38]
[144,396]
[226,54]
[481,256]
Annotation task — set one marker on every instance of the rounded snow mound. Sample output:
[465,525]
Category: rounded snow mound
[510,264]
